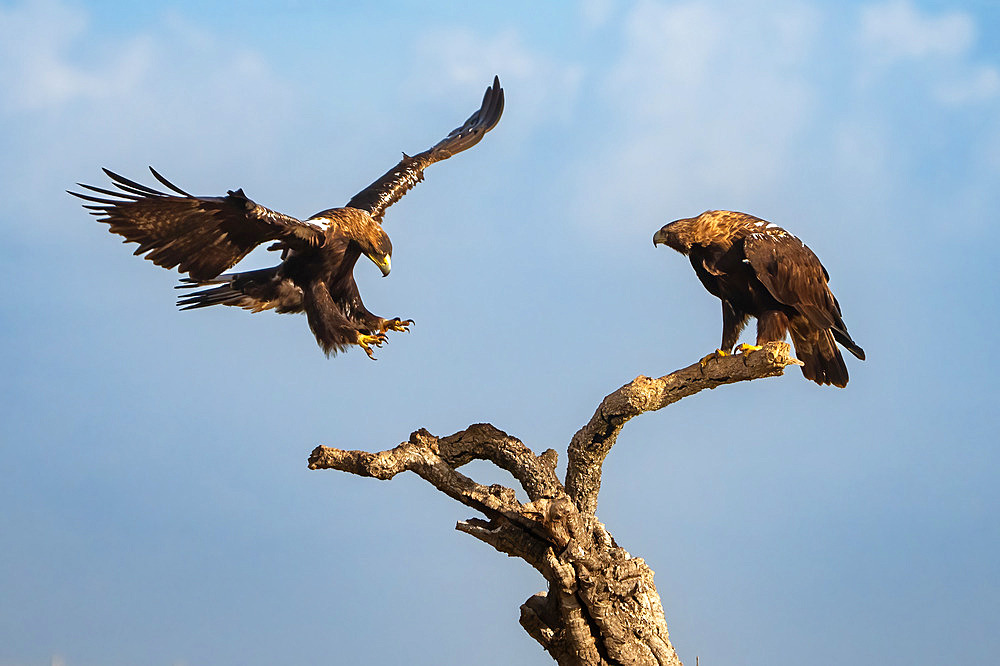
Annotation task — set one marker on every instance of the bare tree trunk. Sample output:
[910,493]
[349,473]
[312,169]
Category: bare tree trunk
[601,606]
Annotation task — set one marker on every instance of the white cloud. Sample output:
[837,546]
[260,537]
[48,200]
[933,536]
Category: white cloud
[935,48]
[454,59]
[54,59]
[596,13]
[168,92]
[710,98]
[36,69]
[714,104]
[897,30]
[979,84]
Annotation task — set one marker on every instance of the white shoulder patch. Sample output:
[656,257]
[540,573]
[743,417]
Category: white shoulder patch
[318,222]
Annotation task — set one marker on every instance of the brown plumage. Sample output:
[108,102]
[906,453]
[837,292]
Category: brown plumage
[204,236]
[760,270]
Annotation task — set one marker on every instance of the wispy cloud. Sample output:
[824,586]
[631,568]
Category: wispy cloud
[898,34]
[721,104]
[168,92]
[979,83]
[710,98]
[596,13]
[37,66]
[897,30]
[451,60]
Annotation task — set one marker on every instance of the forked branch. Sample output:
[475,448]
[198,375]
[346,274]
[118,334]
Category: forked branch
[601,607]
[592,443]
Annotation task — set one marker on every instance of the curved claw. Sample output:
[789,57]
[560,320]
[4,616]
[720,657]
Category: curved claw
[718,353]
[397,324]
[365,342]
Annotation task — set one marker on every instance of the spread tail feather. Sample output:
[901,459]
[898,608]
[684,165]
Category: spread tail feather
[253,290]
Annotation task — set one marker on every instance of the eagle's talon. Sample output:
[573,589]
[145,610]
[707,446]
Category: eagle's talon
[397,324]
[718,353]
[746,348]
[365,342]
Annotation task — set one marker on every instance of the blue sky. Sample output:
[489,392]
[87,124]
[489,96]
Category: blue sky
[158,505]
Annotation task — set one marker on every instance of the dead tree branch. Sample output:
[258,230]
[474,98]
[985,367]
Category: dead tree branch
[592,443]
[601,607]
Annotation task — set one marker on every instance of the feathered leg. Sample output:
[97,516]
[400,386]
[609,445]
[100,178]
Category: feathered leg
[772,326]
[733,322]
[334,332]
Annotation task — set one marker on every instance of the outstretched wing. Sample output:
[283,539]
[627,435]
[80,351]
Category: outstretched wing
[396,182]
[201,236]
[794,276]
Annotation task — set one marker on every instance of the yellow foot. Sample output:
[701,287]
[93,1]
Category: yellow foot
[718,353]
[746,348]
[396,324]
[365,342]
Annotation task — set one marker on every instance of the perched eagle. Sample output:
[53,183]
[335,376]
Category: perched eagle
[760,270]
[204,236]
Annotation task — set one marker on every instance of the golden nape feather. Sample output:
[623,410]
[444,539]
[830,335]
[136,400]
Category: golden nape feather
[758,269]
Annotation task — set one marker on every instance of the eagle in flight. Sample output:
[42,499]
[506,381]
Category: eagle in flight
[205,236]
[760,270]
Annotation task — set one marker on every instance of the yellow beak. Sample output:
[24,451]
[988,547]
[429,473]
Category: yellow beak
[384,263]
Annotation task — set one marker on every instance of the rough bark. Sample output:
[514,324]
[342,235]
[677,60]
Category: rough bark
[601,606]
[592,443]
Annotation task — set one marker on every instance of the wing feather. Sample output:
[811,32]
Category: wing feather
[201,236]
[398,180]
[794,276]
[167,183]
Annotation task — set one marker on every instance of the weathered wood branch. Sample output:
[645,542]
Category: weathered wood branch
[601,607]
[435,459]
[592,443]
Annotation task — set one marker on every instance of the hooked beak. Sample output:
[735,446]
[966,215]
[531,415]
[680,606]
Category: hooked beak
[384,263]
[659,238]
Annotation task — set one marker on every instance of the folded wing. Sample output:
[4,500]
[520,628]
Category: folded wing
[795,276]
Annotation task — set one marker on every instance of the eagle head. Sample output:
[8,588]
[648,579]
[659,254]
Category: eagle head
[676,235]
[357,226]
[378,248]
[711,227]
